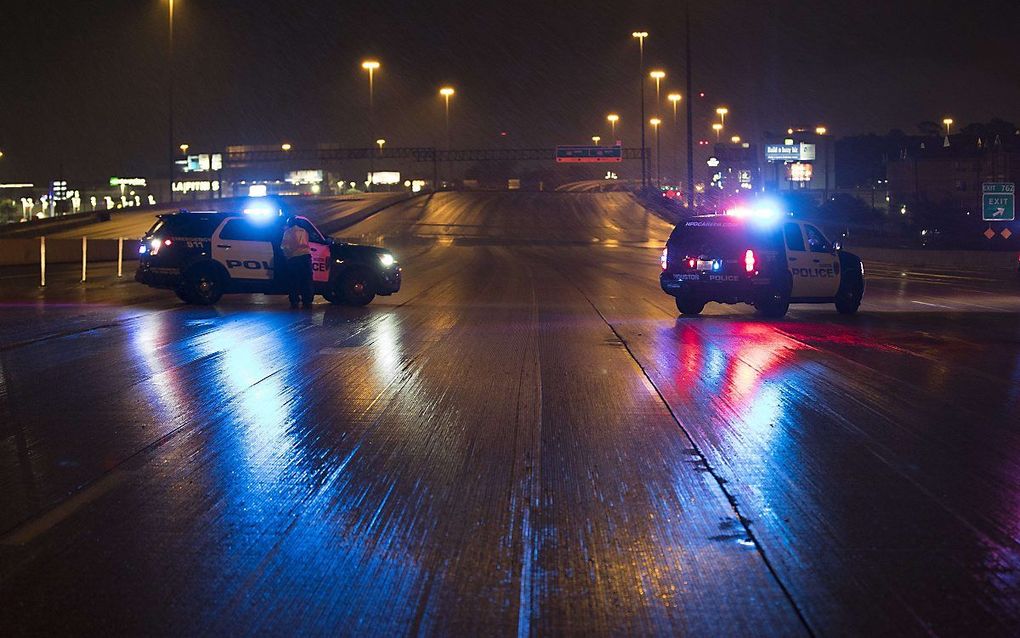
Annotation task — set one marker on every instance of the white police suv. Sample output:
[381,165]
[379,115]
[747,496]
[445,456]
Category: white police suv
[202,255]
[760,258]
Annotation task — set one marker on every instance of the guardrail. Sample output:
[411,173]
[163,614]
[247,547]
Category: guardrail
[42,251]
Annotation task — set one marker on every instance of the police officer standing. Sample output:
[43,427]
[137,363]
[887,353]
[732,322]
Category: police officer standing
[299,263]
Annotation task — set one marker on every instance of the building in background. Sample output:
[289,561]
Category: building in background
[950,173]
[803,160]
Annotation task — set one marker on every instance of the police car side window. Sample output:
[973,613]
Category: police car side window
[794,240]
[243,230]
[816,240]
[313,235]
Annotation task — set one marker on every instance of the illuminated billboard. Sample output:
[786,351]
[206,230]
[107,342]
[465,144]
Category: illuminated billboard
[798,172]
[790,152]
[384,177]
[304,177]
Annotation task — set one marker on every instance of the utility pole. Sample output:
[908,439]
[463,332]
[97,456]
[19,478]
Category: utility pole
[690,117]
[170,99]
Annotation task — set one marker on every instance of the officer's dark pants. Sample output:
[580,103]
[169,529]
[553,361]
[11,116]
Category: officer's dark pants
[299,274]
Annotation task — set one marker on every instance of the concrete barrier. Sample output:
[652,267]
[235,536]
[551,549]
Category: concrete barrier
[950,260]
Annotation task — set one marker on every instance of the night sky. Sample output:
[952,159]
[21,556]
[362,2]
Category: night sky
[84,83]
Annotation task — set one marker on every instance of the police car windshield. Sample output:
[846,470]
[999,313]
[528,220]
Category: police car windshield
[718,238]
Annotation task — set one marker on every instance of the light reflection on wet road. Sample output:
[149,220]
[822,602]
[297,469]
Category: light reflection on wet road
[524,440]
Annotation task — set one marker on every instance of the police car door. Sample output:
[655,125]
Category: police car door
[798,260]
[245,249]
[319,247]
[824,262]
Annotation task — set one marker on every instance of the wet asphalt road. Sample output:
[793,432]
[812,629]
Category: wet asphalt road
[525,440]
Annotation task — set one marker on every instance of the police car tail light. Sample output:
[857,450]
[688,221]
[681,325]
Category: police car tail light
[749,260]
[664,257]
[691,263]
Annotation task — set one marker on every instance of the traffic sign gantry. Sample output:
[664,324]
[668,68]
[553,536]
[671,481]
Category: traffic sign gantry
[998,201]
[587,154]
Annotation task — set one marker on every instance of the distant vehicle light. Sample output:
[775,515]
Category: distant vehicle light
[749,260]
[663,257]
[387,259]
[257,190]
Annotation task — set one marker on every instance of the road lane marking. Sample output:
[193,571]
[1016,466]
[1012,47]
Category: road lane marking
[32,529]
[933,305]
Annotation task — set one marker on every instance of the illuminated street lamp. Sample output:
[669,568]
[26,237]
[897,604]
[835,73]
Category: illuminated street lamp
[735,139]
[821,130]
[380,142]
[371,66]
[949,123]
[447,92]
[170,95]
[657,76]
[641,35]
[717,127]
[675,99]
[613,119]
[285,147]
[184,148]
[655,122]
[722,111]
[596,139]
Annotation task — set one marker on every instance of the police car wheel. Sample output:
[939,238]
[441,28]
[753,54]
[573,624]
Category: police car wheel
[848,301]
[184,295]
[773,308]
[688,306]
[356,288]
[204,286]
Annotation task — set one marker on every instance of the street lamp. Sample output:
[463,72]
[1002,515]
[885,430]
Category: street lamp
[949,123]
[184,148]
[735,139]
[821,130]
[613,119]
[170,95]
[641,35]
[596,139]
[657,76]
[722,111]
[717,127]
[675,99]
[447,92]
[285,147]
[380,142]
[371,66]
[655,122]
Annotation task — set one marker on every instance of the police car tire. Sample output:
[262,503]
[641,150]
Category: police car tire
[184,295]
[203,285]
[849,300]
[688,306]
[355,288]
[773,308]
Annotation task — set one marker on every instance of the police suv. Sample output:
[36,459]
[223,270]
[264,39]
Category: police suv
[763,260]
[202,255]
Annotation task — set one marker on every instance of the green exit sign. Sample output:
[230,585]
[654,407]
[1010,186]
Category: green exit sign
[998,201]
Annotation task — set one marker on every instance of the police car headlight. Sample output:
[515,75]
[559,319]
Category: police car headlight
[154,246]
[387,259]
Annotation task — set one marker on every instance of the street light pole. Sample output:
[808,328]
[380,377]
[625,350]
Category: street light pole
[371,66]
[690,106]
[447,92]
[675,99]
[655,122]
[613,119]
[641,35]
[170,98]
